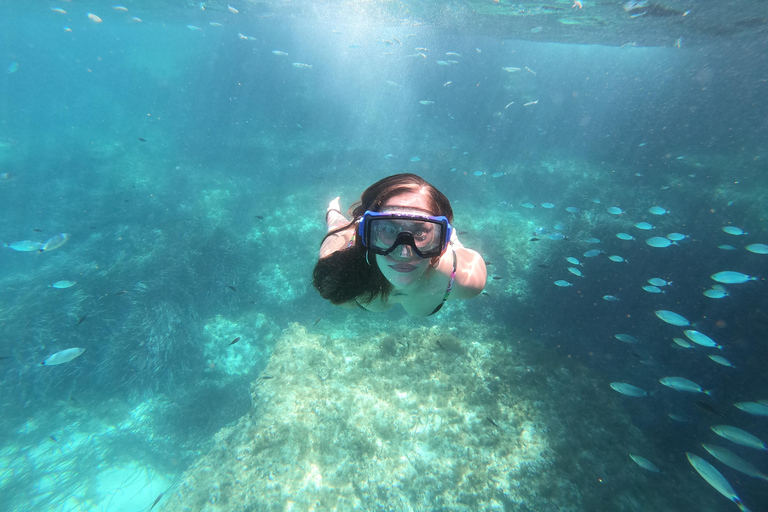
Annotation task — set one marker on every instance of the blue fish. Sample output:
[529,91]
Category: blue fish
[672,318]
[659,241]
[730,277]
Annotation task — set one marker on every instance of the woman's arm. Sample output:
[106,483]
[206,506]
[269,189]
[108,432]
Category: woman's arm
[334,219]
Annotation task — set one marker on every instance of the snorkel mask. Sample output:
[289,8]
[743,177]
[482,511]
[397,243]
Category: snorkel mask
[383,232]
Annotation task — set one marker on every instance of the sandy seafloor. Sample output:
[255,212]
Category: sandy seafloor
[192,165]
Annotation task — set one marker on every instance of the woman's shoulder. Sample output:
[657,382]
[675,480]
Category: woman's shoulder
[471,274]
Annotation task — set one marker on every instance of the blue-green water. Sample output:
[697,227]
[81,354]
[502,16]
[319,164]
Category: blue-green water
[191,155]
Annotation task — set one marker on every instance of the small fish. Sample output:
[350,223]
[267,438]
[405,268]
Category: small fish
[142,139]
[657,210]
[575,271]
[657,281]
[58,10]
[726,247]
[732,460]
[644,226]
[721,360]
[492,422]
[94,18]
[232,9]
[571,260]
[615,210]
[610,298]
[593,253]
[497,277]
[682,384]
[509,104]
[234,341]
[704,406]
[119,8]
[511,69]
[757,248]
[733,230]
[563,284]
[24,246]
[278,52]
[81,319]
[266,377]
[157,500]
[62,284]
[55,242]
[715,479]
[659,242]
[701,339]
[672,318]
[547,205]
[739,436]
[755,408]
[427,102]
[232,288]
[617,259]
[62,357]
[572,209]
[530,70]
[730,277]
[676,237]
[446,84]
[531,103]
[626,338]
[680,342]
[316,322]
[653,289]
[624,236]
[628,389]
[301,65]
[644,463]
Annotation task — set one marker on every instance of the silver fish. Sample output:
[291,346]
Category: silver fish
[644,463]
[715,479]
[628,389]
[24,246]
[738,436]
[682,384]
[63,356]
[730,459]
[55,242]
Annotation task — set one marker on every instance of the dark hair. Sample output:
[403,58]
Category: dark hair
[346,275]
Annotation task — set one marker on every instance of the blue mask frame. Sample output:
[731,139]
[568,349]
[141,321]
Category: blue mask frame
[369,219]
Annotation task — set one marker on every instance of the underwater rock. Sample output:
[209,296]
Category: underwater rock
[415,419]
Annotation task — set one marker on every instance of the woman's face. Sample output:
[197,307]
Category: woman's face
[403,267]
